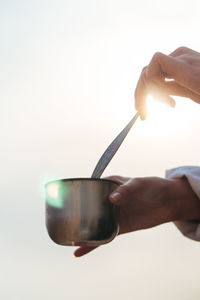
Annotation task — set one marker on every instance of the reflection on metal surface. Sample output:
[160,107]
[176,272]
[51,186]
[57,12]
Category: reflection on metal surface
[55,193]
[52,190]
[78,211]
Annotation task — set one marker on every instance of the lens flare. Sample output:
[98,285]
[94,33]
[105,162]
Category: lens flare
[163,120]
[54,195]
[52,190]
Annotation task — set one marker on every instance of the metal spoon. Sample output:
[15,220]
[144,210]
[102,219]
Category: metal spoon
[112,149]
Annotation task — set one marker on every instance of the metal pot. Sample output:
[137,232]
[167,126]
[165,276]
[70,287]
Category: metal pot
[78,211]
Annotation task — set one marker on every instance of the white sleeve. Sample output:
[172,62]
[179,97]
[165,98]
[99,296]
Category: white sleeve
[191,229]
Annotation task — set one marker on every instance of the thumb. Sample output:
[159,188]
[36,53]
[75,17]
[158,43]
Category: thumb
[120,195]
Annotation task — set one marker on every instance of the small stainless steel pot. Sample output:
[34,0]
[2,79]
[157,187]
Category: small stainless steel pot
[78,211]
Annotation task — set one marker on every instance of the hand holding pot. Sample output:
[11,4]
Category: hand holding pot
[150,201]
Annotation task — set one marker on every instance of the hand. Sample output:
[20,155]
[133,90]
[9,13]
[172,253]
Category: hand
[182,67]
[150,201]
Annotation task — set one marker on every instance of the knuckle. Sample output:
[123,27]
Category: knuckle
[134,182]
[118,179]
[144,70]
[143,74]
[181,50]
[156,57]
[112,177]
[133,186]
[137,180]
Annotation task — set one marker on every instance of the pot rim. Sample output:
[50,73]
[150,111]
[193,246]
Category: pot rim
[80,179]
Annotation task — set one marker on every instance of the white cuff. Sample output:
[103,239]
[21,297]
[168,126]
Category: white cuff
[191,229]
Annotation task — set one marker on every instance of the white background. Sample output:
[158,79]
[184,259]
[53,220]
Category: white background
[68,70]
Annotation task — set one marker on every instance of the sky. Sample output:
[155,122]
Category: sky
[68,74]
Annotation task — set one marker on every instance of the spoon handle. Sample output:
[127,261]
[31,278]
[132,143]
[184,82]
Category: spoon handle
[112,149]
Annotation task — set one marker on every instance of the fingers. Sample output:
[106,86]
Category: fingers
[118,179]
[161,94]
[151,77]
[165,66]
[122,194]
[83,250]
[154,75]
[182,51]
[173,88]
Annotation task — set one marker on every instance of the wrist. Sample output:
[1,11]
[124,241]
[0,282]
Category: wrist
[184,203]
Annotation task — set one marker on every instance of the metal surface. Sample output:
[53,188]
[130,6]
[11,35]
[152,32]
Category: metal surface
[78,211]
[112,149]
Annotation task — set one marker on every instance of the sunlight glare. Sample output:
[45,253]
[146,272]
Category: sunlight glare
[163,120]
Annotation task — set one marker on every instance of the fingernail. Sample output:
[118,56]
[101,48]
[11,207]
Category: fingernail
[76,255]
[115,197]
